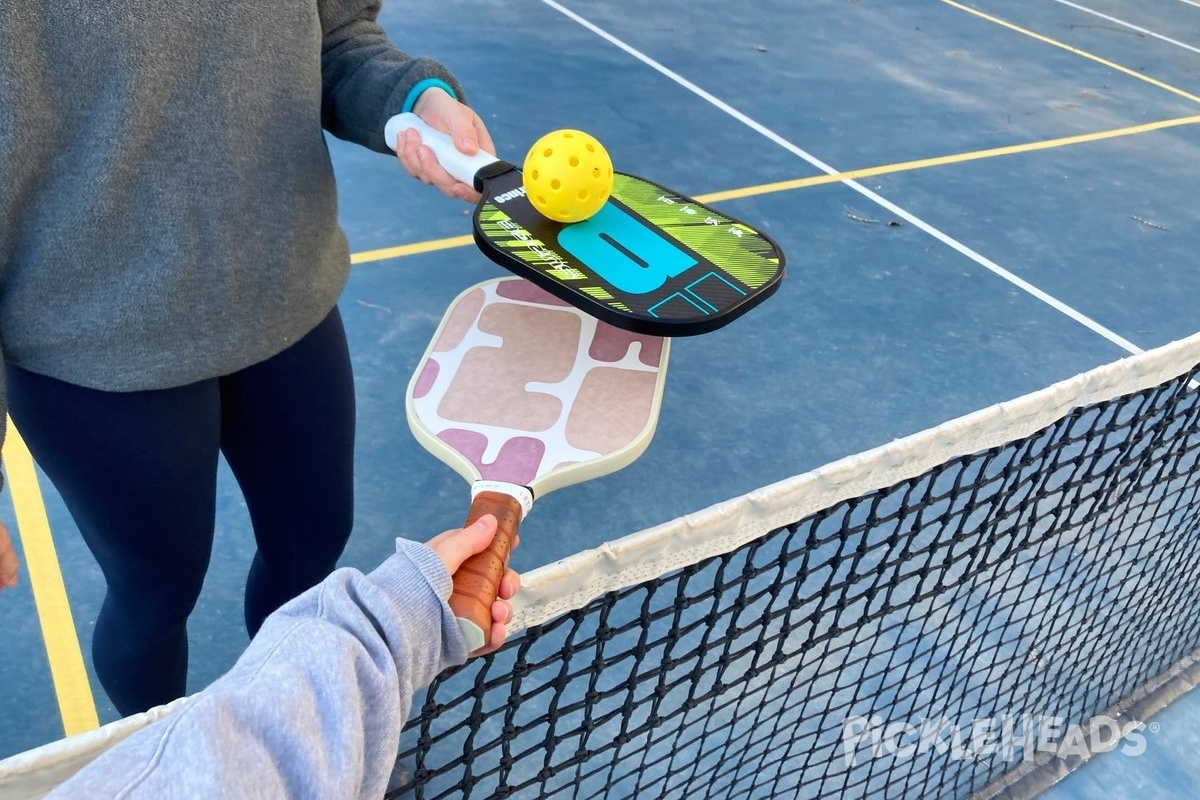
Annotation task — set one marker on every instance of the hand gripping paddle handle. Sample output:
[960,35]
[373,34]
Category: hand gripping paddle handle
[477,582]
[461,166]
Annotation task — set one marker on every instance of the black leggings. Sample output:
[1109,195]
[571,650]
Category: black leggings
[138,472]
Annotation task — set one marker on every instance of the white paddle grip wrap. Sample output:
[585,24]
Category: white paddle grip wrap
[472,634]
[522,494]
[461,166]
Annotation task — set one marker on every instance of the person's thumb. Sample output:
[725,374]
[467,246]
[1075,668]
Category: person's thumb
[456,546]
[465,140]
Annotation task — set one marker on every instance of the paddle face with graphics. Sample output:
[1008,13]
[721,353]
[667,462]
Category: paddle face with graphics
[522,394]
[650,260]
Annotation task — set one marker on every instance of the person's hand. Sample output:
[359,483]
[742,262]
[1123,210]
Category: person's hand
[465,127]
[8,560]
[456,546]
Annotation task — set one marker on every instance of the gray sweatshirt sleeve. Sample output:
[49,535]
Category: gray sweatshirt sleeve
[365,78]
[313,708]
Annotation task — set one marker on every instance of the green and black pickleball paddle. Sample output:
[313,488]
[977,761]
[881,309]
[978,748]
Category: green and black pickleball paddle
[650,260]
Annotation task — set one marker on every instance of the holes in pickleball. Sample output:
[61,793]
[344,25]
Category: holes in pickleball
[573,176]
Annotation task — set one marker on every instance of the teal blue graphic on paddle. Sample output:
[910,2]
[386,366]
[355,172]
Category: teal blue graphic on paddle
[624,252]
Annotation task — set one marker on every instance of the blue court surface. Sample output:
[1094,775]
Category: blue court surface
[976,200]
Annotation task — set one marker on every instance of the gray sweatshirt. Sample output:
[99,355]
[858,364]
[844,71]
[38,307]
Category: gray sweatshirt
[167,203]
[314,707]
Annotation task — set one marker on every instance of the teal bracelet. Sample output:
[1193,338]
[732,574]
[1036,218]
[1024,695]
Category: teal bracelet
[422,85]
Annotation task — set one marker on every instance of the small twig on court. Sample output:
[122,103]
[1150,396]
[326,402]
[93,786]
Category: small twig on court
[365,304]
[857,218]
[1148,223]
[869,221]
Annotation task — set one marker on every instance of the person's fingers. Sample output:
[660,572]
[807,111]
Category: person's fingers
[421,163]
[407,142]
[510,584]
[466,131]
[461,191]
[482,137]
[431,172]
[456,546]
[501,616]
[9,565]
[463,132]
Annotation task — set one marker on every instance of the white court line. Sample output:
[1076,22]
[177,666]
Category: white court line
[913,220]
[1191,3]
[1130,25]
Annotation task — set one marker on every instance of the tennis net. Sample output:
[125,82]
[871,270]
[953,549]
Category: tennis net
[972,610]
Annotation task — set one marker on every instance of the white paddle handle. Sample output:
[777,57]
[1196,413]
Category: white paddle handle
[461,166]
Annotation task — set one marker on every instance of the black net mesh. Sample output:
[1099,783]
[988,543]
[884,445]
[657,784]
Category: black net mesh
[1034,584]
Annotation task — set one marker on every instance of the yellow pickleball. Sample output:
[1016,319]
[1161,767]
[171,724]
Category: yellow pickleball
[567,175]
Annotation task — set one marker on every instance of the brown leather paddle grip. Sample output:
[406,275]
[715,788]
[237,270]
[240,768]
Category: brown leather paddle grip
[477,582]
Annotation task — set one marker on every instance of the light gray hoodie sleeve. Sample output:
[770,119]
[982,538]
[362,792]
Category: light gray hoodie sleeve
[313,708]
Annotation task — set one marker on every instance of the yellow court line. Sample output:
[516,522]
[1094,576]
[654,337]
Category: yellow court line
[836,177]
[959,158]
[410,249]
[1075,50]
[75,702]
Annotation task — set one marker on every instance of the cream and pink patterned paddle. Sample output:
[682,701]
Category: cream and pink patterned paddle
[521,394]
